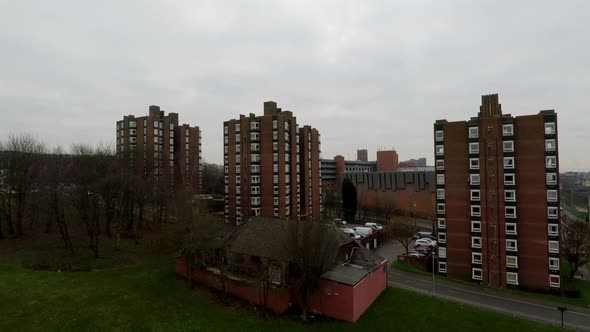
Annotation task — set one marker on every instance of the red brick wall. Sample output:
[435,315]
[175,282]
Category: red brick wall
[387,161]
[367,291]
[402,199]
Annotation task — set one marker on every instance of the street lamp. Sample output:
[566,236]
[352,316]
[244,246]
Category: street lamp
[433,259]
[562,309]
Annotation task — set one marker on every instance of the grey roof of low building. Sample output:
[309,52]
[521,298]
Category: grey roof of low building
[347,274]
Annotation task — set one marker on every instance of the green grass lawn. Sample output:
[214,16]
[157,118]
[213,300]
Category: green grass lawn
[148,296]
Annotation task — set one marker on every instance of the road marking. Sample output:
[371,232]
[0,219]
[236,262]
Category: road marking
[494,296]
[492,308]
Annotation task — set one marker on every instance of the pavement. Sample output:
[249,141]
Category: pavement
[536,310]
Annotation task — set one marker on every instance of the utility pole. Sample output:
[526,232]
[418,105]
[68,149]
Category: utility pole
[433,259]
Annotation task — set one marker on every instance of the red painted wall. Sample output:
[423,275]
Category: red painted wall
[367,291]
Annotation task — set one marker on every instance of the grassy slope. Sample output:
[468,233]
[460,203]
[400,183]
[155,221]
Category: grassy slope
[147,296]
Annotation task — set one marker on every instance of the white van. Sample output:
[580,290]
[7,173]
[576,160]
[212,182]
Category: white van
[351,233]
[374,225]
[363,231]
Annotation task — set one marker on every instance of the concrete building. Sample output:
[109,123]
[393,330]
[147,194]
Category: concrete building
[362,155]
[498,199]
[157,146]
[272,167]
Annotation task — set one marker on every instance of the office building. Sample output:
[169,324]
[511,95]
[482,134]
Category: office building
[157,146]
[272,167]
[498,199]
[362,155]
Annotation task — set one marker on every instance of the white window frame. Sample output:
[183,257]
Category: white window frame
[473,257]
[473,163]
[440,208]
[473,244]
[442,223]
[511,232]
[509,215]
[440,179]
[442,267]
[474,148]
[550,145]
[554,284]
[440,150]
[553,163]
[508,162]
[553,229]
[440,194]
[512,261]
[549,128]
[508,129]
[442,252]
[439,135]
[554,260]
[440,164]
[473,228]
[510,248]
[508,146]
[551,195]
[551,215]
[510,183]
[474,276]
[475,194]
[473,132]
[254,125]
[506,195]
[551,178]
[442,237]
[555,245]
[472,178]
[473,213]
[514,280]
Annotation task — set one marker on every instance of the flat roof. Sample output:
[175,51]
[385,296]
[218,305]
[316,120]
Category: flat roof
[347,274]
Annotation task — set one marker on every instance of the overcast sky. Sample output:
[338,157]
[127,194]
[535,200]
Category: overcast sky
[367,74]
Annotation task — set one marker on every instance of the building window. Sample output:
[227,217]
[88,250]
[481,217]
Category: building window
[552,212]
[439,135]
[255,168]
[255,200]
[549,145]
[225,130]
[238,189]
[440,194]
[275,146]
[474,195]
[554,280]
[255,179]
[238,168]
[508,162]
[551,161]
[275,168]
[275,179]
[553,263]
[442,252]
[442,223]
[475,210]
[255,157]
[510,211]
[238,148]
[509,179]
[276,212]
[549,128]
[511,245]
[475,226]
[440,164]
[442,237]
[473,163]
[254,125]
[474,179]
[552,195]
[553,230]
[508,146]
[440,179]
[551,178]
[274,124]
[473,148]
[512,278]
[509,195]
[440,208]
[276,190]
[476,274]
[510,228]
[237,128]
[442,267]
[440,150]
[476,258]
[507,130]
[554,247]
[475,242]
[473,132]
[254,136]
[512,261]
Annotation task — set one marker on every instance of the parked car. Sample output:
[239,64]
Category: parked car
[421,235]
[415,254]
[363,231]
[374,225]
[340,222]
[351,233]
[426,241]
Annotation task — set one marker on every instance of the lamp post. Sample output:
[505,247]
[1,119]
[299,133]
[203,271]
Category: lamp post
[562,309]
[433,259]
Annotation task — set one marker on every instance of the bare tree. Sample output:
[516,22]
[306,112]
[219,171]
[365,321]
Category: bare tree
[267,274]
[313,247]
[109,183]
[22,166]
[404,232]
[575,246]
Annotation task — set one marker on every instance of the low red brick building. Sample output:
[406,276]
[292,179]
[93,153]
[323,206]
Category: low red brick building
[347,289]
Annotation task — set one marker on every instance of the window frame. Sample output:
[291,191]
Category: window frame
[550,232]
[475,261]
[474,214]
[438,179]
[442,270]
[470,131]
[509,191]
[473,229]
[440,150]
[471,163]
[550,145]
[441,237]
[474,148]
[473,244]
[475,197]
[510,183]
[511,146]
[550,215]
[550,165]
[512,282]
[509,248]
[443,224]
[551,127]
[510,232]
[439,135]
[440,167]
[512,265]
[510,215]
[550,243]
[471,177]
[509,132]
[438,208]
[509,163]
[440,252]
[554,284]
[551,199]
[551,182]
[554,259]
[473,275]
